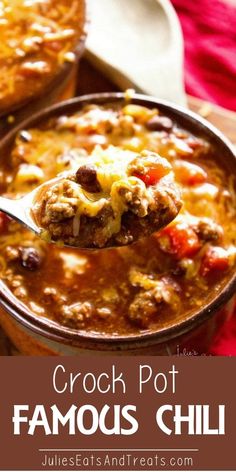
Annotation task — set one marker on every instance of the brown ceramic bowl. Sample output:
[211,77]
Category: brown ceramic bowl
[39,336]
[61,86]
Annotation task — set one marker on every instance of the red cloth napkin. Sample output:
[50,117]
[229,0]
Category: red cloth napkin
[225,342]
[209,28]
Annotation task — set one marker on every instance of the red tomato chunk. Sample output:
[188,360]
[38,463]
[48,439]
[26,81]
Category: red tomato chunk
[153,176]
[190,174]
[179,240]
[216,259]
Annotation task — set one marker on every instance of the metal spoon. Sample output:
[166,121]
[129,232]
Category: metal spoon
[21,209]
[24,210]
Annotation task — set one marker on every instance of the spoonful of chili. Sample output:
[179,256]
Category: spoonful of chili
[114,198]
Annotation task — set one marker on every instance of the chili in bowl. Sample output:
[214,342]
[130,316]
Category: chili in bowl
[41,42]
[167,290]
[113,199]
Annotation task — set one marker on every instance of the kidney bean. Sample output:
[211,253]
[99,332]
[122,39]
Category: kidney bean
[86,176]
[159,123]
[30,258]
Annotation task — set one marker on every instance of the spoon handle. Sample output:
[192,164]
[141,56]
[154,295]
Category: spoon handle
[10,207]
[19,211]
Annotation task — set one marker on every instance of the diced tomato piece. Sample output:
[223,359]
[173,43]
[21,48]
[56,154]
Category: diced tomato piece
[154,169]
[182,240]
[151,178]
[188,173]
[4,220]
[141,177]
[154,174]
[216,259]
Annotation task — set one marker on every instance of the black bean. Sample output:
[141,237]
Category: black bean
[179,270]
[86,176]
[30,258]
[159,123]
[25,136]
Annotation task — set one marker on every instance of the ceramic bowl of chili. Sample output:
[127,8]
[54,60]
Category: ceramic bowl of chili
[41,44]
[164,294]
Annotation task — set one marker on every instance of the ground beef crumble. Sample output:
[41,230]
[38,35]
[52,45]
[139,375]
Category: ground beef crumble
[117,203]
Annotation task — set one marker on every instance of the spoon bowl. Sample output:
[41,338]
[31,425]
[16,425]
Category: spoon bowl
[20,210]
[43,211]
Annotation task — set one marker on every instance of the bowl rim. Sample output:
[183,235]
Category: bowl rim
[55,331]
[62,73]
